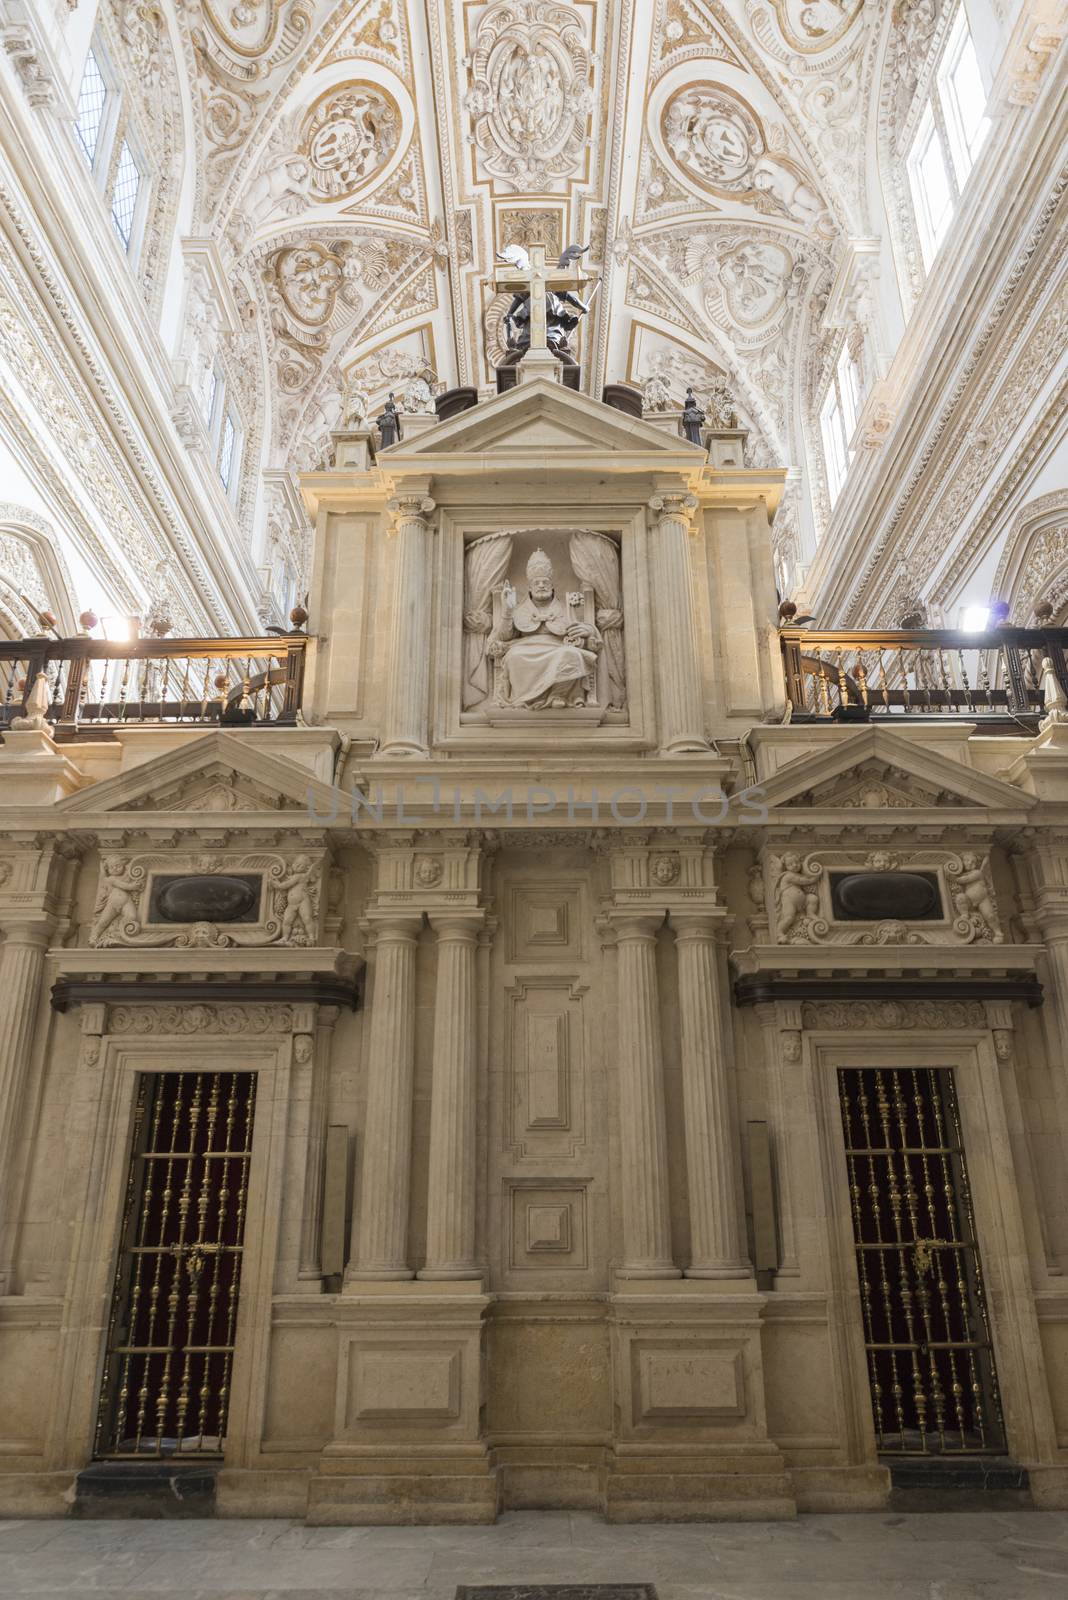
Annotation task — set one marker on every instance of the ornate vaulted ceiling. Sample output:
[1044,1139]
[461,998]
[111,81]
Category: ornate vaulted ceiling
[358,162]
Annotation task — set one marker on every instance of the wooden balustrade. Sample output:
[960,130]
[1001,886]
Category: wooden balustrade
[96,685]
[995,677]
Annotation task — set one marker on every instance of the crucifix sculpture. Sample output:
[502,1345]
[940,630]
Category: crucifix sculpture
[545,310]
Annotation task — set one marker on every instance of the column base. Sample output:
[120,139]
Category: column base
[376,1275]
[686,745]
[654,1272]
[736,1272]
[450,1275]
[404,750]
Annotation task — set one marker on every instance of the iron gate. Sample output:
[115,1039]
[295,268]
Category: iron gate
[170,1343]
[926,1328]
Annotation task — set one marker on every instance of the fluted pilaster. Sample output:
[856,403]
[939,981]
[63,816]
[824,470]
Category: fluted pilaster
[711,1152]
[310,1263]
[22,958]
[450,1241]
[382,1224]
[678,660]
[409,658]
[643,1135]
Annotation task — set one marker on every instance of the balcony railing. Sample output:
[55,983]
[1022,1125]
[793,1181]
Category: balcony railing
[997,678]
[93,686]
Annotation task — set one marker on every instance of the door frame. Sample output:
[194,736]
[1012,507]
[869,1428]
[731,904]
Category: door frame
[1000,1234]
[97,1172]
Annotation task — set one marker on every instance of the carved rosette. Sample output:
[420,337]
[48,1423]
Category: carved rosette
[530,96]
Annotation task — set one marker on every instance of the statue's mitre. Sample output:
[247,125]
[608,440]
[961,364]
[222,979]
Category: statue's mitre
[539,566]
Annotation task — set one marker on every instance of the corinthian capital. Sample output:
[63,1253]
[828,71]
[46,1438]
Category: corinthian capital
[410,508]
[676,506]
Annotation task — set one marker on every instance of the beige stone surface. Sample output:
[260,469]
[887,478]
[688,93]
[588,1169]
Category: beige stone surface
[548,1299]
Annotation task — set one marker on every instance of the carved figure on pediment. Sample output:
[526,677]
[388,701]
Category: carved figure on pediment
[388,421]
[353,406]
[300,911]
[692,418]
[656,395]
[973,898]
[545,653]
[796,897]
[116,900]
[719,407]
[417,397]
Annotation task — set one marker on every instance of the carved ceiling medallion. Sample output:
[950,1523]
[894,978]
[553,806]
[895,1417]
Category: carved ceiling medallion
[811,25]
[349,135]
[750,279]
[714,137]
[718,141]
[530,94]
[307,278]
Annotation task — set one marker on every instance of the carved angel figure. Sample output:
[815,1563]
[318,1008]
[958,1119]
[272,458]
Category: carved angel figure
[973,899]
[796,895]
[300,912]
[787,190]
[116,900]
[279,190]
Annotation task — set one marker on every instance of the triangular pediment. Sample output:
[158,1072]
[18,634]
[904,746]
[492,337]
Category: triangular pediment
[217,775]
[877,770]
[543,417]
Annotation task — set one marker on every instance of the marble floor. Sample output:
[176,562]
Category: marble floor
[1006,1555]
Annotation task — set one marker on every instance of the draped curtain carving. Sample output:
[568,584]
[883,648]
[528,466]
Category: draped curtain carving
[485,565]
[595,560]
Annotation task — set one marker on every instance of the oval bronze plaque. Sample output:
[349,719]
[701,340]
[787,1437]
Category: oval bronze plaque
[205,897]
[873,896]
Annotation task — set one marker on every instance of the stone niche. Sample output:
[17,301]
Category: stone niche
[543,629]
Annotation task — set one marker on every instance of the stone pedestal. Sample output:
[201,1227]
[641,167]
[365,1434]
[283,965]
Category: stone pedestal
[691,1440]
[407,1445]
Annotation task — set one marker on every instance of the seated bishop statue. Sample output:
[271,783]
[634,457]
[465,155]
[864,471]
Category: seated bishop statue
[544,655]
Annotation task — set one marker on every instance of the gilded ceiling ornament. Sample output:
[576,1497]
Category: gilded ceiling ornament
[811,25]
[530,95]
[349,135]
[719,142]
[307,278]
[249,29]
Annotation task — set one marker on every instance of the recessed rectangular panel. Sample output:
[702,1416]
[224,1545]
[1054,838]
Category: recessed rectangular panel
[547,1070]
[548,1226]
